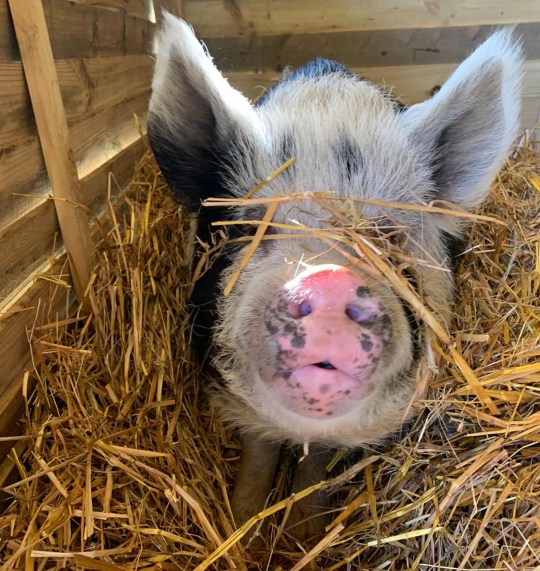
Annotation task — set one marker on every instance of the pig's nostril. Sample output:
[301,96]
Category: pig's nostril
[359,314]
[300,309]
[304,308]
[325,365]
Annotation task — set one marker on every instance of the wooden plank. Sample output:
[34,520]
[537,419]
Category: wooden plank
[80,31]
[87,86]
[121,166]
[95,139]
[41,301]
[530,115]
[42,80]
[30,180]
[8,43]
[28,239]
[138,8]
[100,137]
[360,49]
[86,31]
[215,18]
[26,244]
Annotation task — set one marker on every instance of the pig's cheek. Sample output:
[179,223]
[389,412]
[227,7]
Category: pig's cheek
[282,349]
[382,326]
[380,331]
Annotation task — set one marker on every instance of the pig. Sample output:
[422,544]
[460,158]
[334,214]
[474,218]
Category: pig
[308,348]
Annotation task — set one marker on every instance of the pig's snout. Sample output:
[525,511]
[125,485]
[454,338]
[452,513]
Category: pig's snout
[328,331]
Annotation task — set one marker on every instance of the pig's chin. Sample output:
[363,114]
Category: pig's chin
[316,392]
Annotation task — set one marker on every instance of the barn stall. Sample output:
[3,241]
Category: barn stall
[111,458]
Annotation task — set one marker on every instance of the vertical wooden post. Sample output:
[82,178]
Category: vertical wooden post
[42,79]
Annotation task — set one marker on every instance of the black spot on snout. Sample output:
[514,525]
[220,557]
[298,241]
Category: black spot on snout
[363,291]
[367,345]
[271,327]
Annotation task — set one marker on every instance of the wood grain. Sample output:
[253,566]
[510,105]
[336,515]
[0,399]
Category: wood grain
[87,87]
[216,18]
[360,49]
[8,43]
[41,301]
[96,138]
[40,72]
[138,8]
[82,31]
[29,225]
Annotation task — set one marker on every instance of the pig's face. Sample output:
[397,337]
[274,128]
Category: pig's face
[309,347]
[321,353]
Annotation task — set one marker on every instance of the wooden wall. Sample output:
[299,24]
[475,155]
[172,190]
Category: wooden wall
[412,45]
[102,60]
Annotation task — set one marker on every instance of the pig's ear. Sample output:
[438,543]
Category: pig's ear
[467,128]
[195,118]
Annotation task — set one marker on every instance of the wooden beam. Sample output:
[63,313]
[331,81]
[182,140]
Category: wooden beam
[215,18]
[87,86]
[28,225]
[377,48]
[42,80]
[138,8]
[8,43]
[96,138]
[82,31]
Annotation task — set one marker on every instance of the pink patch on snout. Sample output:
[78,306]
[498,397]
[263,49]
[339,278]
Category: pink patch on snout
[330,331]
[317,393]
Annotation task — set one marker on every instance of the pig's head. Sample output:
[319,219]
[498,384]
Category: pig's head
[311,348]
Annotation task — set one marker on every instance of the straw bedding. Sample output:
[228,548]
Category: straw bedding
[125,466]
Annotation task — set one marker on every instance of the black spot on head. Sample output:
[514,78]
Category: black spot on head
[298,341]
[312,70]
[288,148]
[317,68]
[349,155]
